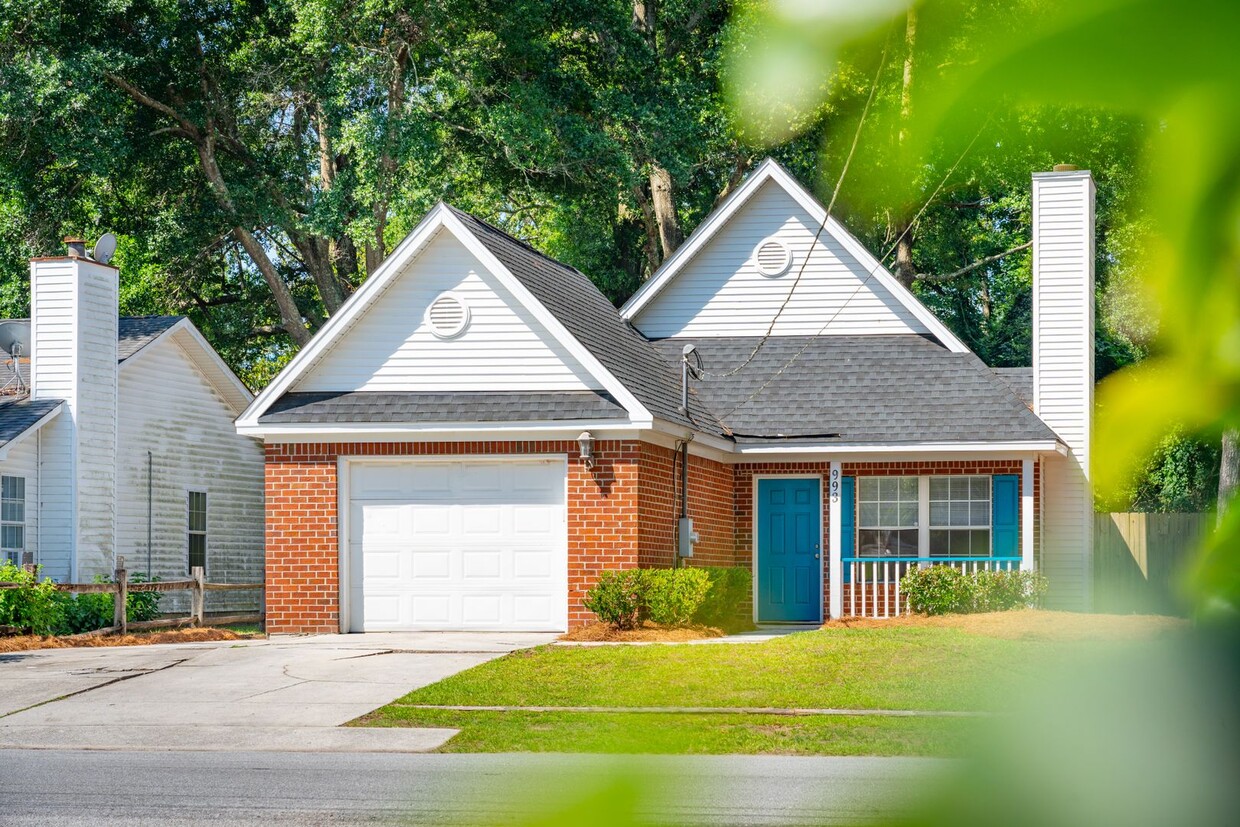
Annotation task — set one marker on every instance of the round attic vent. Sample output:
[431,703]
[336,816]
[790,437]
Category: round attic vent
[772,257]
[447,316]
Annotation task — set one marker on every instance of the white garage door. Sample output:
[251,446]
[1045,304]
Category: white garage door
[458,545]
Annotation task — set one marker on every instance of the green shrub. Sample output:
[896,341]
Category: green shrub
[673,596]
[727,600]
[667,596]
[937,590]
[34,608]
[618,598]
[87,612]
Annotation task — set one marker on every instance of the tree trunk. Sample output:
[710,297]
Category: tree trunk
[650,227]
[290,316]
[664,203]
[905,271]
[1228,470]
[376,251]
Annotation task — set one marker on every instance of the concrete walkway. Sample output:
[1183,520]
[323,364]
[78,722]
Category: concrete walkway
[281,694]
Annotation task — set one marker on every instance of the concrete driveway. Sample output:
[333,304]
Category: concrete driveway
[288,693]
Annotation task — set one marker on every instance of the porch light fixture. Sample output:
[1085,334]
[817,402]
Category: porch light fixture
[586,443]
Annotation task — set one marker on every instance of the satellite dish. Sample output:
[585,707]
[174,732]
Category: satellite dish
[15,338]
[105,248]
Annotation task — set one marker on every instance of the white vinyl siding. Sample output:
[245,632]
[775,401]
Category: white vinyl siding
[74,332]
[169,409]
[721,292]
[1063,362]
[391,347]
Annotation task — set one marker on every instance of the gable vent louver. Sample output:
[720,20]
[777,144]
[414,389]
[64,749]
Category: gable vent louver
[772,257]
[447,317]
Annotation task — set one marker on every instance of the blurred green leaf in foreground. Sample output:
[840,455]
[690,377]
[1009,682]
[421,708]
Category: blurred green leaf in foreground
[1170,66]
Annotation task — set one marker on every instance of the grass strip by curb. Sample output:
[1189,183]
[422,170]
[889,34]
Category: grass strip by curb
[707,710]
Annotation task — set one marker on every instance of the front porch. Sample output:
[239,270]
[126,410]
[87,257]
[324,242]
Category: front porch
[871,522]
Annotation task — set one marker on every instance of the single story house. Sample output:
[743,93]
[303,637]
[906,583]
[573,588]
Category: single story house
[479,432]
[117,439]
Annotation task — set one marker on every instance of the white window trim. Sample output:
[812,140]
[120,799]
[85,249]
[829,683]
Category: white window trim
[923,538]
[23,523]
[990,513]
[206,533]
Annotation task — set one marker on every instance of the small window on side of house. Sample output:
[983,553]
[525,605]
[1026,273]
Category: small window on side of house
[197,529]
[12,519]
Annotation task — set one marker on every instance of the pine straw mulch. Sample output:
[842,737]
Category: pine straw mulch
[647,632]
[25,643]
[1032,624]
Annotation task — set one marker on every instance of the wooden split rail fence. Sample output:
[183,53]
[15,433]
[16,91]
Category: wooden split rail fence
[120,586]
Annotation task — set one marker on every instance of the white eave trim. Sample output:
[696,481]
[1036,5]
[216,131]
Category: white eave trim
[771,170]
[394,431]
[440,217]
[216,371]
[34,427]
[1014,447]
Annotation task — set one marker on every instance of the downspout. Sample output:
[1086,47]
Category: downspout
[38,500]
[150,499]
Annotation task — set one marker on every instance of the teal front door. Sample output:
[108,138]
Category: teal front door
[789,552]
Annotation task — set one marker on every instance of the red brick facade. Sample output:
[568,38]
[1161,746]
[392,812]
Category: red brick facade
[621,514]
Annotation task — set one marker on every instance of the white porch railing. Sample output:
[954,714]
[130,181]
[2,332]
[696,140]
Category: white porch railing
[872,584]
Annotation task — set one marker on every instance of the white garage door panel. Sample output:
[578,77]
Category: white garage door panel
[458,545]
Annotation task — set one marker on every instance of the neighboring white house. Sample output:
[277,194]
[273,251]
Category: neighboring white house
[116,438]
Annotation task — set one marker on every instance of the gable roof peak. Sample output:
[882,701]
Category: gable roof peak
[716,221]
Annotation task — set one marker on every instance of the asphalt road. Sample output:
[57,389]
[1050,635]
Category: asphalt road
[99,788]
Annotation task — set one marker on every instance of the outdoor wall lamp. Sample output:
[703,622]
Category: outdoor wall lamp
[586,443]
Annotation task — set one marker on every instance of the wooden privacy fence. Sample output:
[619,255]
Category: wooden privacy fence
[1139,559]
[196,585]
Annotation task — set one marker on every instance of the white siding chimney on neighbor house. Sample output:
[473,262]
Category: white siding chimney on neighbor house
[1063,375]
[73,308]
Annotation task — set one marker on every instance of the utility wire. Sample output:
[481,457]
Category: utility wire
[822,225]
[812,339]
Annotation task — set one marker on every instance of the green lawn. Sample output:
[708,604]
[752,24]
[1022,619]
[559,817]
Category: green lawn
[900,667]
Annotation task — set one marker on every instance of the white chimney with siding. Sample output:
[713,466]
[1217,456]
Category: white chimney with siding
[1063,375]
[73,309]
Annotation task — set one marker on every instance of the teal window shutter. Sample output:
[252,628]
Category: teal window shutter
[1005,516]
[848,521]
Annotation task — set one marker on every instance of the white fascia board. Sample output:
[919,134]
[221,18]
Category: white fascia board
[374,286]
[697,239]
[214,369]
[444,431]
[33,429]
[579,351]
[699,443]
[771,170]
[941,450]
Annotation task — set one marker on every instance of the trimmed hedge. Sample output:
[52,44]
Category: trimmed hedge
[670,597]
[936,590]
[727,603]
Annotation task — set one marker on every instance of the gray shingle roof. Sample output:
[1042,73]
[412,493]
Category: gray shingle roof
[858,390]
[18,414]
[587,314]
[1020,380]
[136,332]
[429,406]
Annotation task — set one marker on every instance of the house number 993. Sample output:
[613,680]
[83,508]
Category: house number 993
[835,485]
